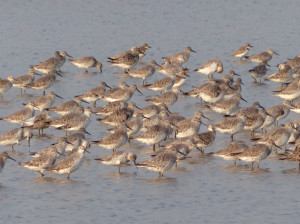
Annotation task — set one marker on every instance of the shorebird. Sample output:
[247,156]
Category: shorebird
[156,134]
[43,162]
[144,72]
[256,153]
[133,125]
[15,136]
[167,99]
[143,50]
[213,93]
[228,78]
[153,120]
[255,121]
[294,62]
[119,159]
[69,164]
[162,85]
[258,71]
[5,85]
[170,69]
[77,122]
[120,94]
[151,110]
[58,147]
[76,139]
[20,116]
[183,145]
[180,79]
[94,94]
[232,125]
[295,107]
[210,67]
[43,102]
[110,108]
[262,57]
[229,152]
[205,139]
[162,162]
[67,107]
[280,111]
[227,106]
[67,118]
[22,81]
[180,58]
[126,60]
[120,116]
[293,157]
[3,157]
[39,122]
[189,126]
[122,85]
[115,140]
[86,63]
[279,136]
[249,111]
[242,51]
[291,92]
[62,59]
[234,89]
[50,65]
[284,75]
[44,82]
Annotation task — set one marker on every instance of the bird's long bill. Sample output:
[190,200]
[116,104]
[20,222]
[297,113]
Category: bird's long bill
[180,152]
[276,53]
[59,74]
[204,123]
[273,143]
[59,153]
[82,100]
[28,140]
[269,114]
[205,117]
[10,158]
[107,86]
[261,106]
[145,117]
[139,91]
[58,96]
[128,127]
[137,107]
[69,55]
[37,73]
[87,132]
[237,75]
[203,140]
[70,143]
[243,99]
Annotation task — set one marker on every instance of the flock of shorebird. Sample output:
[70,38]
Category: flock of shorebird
[155,123]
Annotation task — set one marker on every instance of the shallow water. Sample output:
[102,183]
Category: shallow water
[201,189]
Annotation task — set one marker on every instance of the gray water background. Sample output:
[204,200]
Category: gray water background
[202,189]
